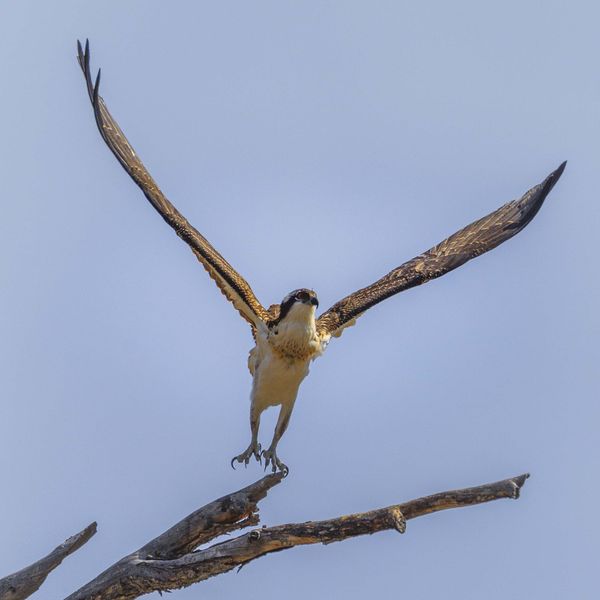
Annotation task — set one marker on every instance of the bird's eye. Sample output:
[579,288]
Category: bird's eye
[302,296]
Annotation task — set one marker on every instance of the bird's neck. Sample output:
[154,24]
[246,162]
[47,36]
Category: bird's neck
[300,316]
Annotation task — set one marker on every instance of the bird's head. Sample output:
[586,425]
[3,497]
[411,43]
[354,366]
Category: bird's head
[302,302]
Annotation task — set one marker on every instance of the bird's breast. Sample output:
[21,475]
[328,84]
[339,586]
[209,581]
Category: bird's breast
[277,377]
[295,342]
[280,360]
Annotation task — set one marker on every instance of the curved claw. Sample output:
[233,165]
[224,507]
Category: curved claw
[271,459]
[244,457]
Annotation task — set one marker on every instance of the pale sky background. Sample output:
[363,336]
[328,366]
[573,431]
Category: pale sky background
[316,144]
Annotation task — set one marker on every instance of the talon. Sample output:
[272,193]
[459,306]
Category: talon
[244,457]
[270,457]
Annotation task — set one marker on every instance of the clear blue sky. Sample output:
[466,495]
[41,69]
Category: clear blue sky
[315,144]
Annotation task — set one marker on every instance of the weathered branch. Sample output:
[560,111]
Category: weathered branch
[25,582]
[169,561]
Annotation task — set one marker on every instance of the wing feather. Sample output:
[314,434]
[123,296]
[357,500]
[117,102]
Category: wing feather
[471,241]
[230,282]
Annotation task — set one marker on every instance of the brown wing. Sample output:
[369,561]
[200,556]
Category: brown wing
[473,240]
[233,286]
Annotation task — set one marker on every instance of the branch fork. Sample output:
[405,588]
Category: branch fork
[172,560]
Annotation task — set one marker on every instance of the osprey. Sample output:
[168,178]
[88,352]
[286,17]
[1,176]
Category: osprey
[288,336]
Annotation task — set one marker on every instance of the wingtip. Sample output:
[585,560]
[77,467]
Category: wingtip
[80,55]
[551,180]
[560,170]
[81,49]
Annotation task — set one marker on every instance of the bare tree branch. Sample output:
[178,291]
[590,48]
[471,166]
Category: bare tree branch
[169,561]
[25,582]
[234,511]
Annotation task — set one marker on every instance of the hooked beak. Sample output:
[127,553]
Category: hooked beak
[314,302]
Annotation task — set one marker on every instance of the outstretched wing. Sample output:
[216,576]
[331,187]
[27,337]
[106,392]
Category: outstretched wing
[473,240]
[230,282]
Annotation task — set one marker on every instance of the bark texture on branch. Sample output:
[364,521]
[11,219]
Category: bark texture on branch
[25,582]
[170,561]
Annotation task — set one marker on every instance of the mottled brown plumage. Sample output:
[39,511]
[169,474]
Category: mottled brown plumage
[229,281]
[471,241]
[288,336]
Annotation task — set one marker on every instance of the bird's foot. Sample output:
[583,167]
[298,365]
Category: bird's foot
[270,457]
[252,450]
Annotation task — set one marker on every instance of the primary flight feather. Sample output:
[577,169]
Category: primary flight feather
[288,336]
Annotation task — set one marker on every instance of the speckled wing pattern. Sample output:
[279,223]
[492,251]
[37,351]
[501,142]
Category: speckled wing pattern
[473,240]
[230,282]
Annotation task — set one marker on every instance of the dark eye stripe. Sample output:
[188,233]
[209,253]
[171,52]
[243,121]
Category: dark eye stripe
[302,296]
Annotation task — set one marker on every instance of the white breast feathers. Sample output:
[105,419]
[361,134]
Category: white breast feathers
[295,336]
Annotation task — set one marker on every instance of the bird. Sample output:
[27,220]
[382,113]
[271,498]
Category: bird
[288,336]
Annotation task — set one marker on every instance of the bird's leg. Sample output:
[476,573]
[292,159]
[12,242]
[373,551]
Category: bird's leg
[254,447]
[270,455]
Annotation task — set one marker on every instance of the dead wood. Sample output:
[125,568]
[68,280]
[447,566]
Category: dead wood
[171,561]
